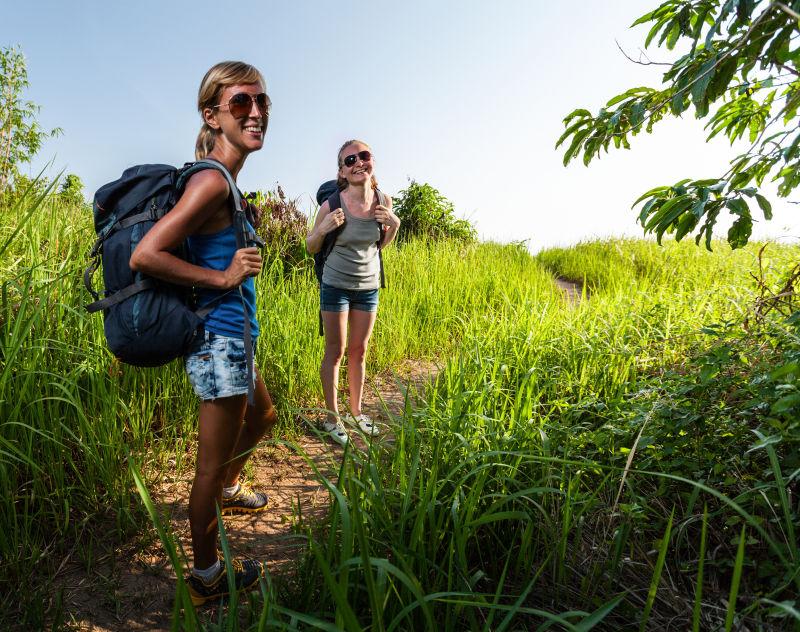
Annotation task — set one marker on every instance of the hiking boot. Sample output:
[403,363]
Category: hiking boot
[368,427]
[336,431]
[245,501]
[245,577]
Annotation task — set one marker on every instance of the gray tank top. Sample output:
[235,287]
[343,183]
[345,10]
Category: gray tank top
[353,262]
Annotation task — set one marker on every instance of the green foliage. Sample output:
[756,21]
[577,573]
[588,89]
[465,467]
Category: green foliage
[507,499]
[71,191]
[741,73]
[20,135]
[495,506]
[282,226]
[424,212]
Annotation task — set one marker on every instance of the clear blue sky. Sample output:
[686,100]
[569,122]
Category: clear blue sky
[467,95]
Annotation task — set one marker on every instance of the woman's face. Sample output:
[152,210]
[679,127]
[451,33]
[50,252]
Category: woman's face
[242,115]
[360,171]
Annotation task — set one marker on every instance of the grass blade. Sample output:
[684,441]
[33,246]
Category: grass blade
[698,589]
[737,576]
[662,554]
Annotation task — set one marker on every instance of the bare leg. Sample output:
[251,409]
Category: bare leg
[361,324]
[219,429]
[258,421]
[335,327]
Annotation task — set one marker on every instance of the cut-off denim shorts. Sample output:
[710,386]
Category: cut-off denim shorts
[334,299]
[217,366]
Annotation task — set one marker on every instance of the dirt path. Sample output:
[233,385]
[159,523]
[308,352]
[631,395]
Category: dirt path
[133,589]
[573,291]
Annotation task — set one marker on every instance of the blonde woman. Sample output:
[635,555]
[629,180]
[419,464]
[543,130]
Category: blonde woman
[234,107]
[351,278]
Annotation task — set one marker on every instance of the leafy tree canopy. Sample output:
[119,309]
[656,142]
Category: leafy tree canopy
[741,74]
[20,135]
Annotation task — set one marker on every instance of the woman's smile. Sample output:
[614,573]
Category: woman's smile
[254,130]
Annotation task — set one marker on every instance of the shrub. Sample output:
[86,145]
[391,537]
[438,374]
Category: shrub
[425,212]
[281,225]
[71,191]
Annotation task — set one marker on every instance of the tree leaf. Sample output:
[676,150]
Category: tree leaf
[739,233]
[738,206]
[765,206]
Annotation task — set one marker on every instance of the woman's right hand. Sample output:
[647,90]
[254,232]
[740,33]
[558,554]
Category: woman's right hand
[246,263]
[332,221]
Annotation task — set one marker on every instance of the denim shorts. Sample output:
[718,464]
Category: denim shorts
[217,366]
[334,299]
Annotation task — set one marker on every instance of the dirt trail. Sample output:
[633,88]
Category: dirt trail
[573,291]
[135,590]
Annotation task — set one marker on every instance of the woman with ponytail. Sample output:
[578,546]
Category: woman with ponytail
[234,108]
[351,279]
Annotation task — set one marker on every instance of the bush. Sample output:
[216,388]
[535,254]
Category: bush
[71,191]
[425,212]
[281,225]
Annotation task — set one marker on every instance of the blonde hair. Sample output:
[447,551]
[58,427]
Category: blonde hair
[219,77]
[342,182]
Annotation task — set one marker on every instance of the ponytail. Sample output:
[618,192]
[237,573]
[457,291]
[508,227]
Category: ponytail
[205,142]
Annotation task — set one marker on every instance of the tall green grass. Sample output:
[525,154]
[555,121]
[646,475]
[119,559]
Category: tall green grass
[508,500]
[70,412]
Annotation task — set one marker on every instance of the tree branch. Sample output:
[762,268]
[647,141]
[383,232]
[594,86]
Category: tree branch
[641,54]
[786,10]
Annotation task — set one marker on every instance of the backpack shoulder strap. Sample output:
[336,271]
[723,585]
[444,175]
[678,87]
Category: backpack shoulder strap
[382,232]
[334,202]
[382,200]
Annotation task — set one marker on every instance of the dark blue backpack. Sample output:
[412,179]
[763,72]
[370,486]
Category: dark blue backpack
[148,322]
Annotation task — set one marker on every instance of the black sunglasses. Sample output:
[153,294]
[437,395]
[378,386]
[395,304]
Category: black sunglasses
[241,103]
[351,159]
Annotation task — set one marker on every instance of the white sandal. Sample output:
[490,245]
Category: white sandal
[336,431]
[368,427]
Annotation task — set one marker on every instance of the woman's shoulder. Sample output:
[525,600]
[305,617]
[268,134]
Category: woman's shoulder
[210,184]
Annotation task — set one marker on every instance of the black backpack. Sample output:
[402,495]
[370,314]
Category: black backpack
[149,322]
[329,191]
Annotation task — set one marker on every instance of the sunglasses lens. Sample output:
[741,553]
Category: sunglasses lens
[240,105]
[350,160]
[263,103]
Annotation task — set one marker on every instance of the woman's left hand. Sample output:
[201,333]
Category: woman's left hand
[386,217]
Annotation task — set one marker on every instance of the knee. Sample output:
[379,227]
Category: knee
[333,353]
[357,353]
[210,476]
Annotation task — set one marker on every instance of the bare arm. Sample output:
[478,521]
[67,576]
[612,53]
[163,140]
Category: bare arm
[205,193]
[326,222]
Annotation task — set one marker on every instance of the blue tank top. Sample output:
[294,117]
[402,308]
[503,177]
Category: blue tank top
[216,251]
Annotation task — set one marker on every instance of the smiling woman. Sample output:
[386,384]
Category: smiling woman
[361,218]
[235,110]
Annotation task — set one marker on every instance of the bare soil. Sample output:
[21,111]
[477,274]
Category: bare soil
[132,587]
[573,291]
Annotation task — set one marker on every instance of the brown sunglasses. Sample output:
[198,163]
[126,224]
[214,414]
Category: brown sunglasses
[241,103]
